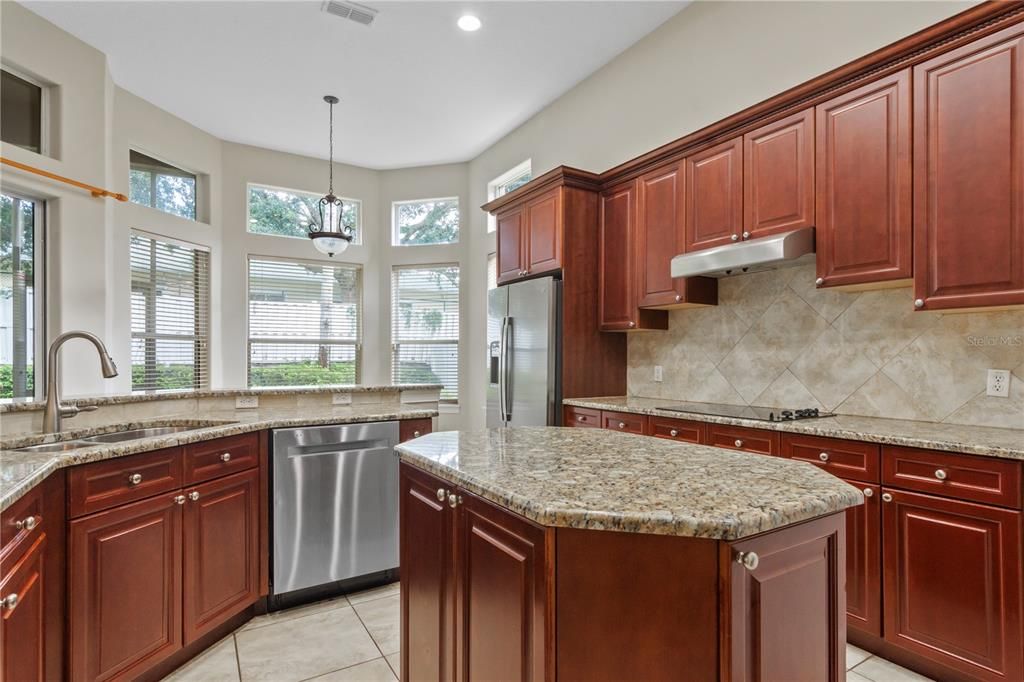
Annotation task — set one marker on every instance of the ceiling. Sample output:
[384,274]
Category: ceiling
[414,89]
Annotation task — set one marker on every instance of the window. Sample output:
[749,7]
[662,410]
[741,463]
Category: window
[170,314]
[425,327]
[22,105]
[492,271]
[429,221]
[21,296]
[304,323]
[161,186]
[508,181]
[289,213]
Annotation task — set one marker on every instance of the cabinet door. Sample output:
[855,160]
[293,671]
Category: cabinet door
[511,242]
[714,195]
[968,182]
[221,551]
[428,577]
[778,176]
[544,233]
[23,616]
[864,561]
[952,583]
[795,566]
[864,188]
[125,588]
[660,236]
[502,594]
[618,222]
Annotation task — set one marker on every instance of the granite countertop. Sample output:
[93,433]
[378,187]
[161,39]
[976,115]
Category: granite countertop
[28,405]
[987,441]
[606,480]
[21,471]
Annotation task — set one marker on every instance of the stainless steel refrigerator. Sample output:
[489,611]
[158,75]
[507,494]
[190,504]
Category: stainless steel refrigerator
[524,350]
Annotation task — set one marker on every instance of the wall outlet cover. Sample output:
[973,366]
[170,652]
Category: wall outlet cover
[247,402]
[341,399]
[659,373]
[998,384]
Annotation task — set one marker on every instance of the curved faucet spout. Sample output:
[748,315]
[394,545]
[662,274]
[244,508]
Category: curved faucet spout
[55,411]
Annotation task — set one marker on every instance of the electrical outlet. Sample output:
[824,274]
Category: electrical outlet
[998,383]
[341,399]
[659,374]
[247,402]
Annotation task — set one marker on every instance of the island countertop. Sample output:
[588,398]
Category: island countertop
[605,480]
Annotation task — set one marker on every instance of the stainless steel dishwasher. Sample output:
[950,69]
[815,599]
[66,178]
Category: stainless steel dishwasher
[335,510]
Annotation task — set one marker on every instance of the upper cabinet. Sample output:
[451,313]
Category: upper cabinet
[864,186]
[778,176]
[714,196]
[511,247]
[660,236]
[530,238]
[968,182]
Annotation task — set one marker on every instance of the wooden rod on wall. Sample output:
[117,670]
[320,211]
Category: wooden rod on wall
[92,189]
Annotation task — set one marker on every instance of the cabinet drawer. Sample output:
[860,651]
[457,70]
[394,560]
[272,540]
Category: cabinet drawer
[215,458]
[22,522]
[966,477]
[624,421]
[742,438]
[581,416]
[414,428]
[844,458]
[675,429]
[114,482]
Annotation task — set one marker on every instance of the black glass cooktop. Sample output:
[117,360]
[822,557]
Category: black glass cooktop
[764,414]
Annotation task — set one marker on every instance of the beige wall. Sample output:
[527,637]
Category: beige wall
[707,62]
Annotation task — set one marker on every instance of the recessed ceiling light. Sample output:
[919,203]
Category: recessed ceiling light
[467,22]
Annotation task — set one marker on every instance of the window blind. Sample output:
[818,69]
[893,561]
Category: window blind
[425,327]
[305,320]
[170,302]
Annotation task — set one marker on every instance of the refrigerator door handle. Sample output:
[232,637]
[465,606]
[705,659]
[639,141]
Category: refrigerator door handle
[501,370]
[505,389]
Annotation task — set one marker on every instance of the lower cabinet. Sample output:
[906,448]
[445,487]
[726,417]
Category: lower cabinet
[475,600]
[864,561]
[952,583]
[22,624]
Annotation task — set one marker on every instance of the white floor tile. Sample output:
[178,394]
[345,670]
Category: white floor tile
[395,661]
[381,617]
[376,670]
[855,656]
[880,670]
[300,648]
[855,677]
[216,664]
[373,593]
[296,612]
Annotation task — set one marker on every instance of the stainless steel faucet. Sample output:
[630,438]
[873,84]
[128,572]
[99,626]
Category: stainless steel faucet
[55,411]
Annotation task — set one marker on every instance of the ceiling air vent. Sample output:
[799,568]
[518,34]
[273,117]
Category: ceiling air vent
[361,14]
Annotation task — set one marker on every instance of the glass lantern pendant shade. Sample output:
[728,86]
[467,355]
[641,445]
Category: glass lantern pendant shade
[331,236]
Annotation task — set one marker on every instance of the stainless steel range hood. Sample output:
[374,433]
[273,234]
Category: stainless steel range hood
[766,253]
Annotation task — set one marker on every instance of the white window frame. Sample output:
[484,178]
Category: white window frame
[358,368]
[46,92]
[39,295]
[394,221]
[513,173]
[276,188]
[199,208]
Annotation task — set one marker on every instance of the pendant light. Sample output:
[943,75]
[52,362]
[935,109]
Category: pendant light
[331,236]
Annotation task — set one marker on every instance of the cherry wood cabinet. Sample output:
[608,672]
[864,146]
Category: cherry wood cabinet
[124,592]
[617,244]
[793,562]
[530,238]
[475,595]
[23,588]
[714,195]
[220,553]
[582,417]
[969,174]
[952,583]
[624,421]
[660,236]
[864,185]
[778,176]
[215,458]
[760,441]
[843,458]
[675,429]
[864,561]
[414,428]
[975,479]
[511,255]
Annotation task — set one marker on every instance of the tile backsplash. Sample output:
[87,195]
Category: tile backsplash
[775,339]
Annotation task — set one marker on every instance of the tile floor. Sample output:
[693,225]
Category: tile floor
[356,639]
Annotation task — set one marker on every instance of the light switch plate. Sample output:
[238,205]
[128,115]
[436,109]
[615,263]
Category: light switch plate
[247,402]
[341,399]
[659,373]
[998,383]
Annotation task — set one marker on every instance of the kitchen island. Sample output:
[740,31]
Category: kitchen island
[543,553]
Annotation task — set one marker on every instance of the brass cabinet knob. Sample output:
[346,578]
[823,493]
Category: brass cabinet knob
[823,457]
[441,494]
[738,443]
[940,474]
[27,523]
[135,479]
[749,560]
[225,457]
[886,497]
[179,499]
[868,492]
[819,281]
[194,495]
[919,303]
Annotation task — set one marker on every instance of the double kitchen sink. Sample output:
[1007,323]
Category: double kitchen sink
[114,437]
